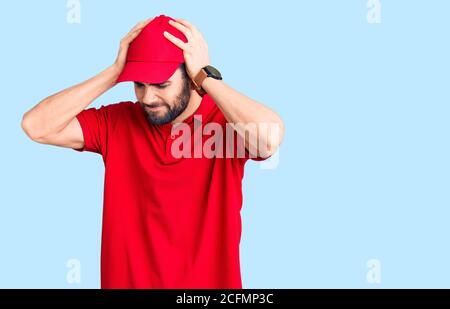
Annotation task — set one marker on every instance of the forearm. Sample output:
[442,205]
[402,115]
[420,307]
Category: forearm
[239,109]
[54,113]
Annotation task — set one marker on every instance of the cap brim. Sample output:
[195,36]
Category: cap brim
[147,72]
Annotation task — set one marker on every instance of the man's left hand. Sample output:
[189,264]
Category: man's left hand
[195,50]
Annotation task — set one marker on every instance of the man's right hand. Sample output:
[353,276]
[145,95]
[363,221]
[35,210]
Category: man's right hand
[125,43]
[53,120]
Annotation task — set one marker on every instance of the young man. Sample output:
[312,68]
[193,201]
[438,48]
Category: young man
[171,216]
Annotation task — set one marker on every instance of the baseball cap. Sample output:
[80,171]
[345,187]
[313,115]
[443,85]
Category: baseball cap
[151,57]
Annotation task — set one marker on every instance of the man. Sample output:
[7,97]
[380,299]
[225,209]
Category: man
[171,216]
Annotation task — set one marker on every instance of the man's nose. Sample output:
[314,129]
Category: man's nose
[149,96]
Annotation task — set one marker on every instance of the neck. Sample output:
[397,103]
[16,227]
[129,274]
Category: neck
[194,103]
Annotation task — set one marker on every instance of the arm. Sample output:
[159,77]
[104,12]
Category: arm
[239,109]
[264,127]
[53,120]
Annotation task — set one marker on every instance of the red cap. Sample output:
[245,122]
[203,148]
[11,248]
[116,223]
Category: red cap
[151,57]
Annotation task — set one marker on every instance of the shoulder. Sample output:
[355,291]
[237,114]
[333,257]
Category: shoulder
[107,114]
[116,111]
[117,107]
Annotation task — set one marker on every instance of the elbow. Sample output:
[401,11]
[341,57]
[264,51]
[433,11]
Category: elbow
[277,136]
[273,140]
[271,149]
[281,132]
[29,128]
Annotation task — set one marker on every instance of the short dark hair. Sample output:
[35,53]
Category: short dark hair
[184,73]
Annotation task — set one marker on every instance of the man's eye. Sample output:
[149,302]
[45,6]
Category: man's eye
[140,85]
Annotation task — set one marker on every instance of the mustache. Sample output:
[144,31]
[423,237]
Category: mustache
[156,105]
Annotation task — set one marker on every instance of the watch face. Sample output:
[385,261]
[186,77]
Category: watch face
[213,71]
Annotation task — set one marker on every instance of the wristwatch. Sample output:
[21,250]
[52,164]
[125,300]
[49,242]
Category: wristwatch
[208,71]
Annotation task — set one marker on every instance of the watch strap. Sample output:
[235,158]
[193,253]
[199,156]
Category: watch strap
[198,81]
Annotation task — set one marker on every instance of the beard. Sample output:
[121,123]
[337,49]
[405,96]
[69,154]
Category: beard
[166,112]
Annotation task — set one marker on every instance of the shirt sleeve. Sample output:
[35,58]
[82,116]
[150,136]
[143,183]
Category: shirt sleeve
[94,123]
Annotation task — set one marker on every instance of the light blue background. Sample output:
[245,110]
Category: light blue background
[363,171]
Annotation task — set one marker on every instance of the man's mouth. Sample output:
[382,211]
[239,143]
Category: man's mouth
[153,106]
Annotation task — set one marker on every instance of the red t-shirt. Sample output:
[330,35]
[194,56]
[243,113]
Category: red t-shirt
[167,222]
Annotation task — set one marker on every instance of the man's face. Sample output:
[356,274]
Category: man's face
[164,102]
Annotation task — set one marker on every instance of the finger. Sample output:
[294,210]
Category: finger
[137,26]
[186,31]
[130,36]
[193,30]
[136,30]
[132,31]
[134,35]
[185,23]
[147,21]
[175,40]
[141,24]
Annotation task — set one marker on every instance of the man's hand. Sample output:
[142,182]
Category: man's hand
[125,43]
[53,120]
[195,51]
